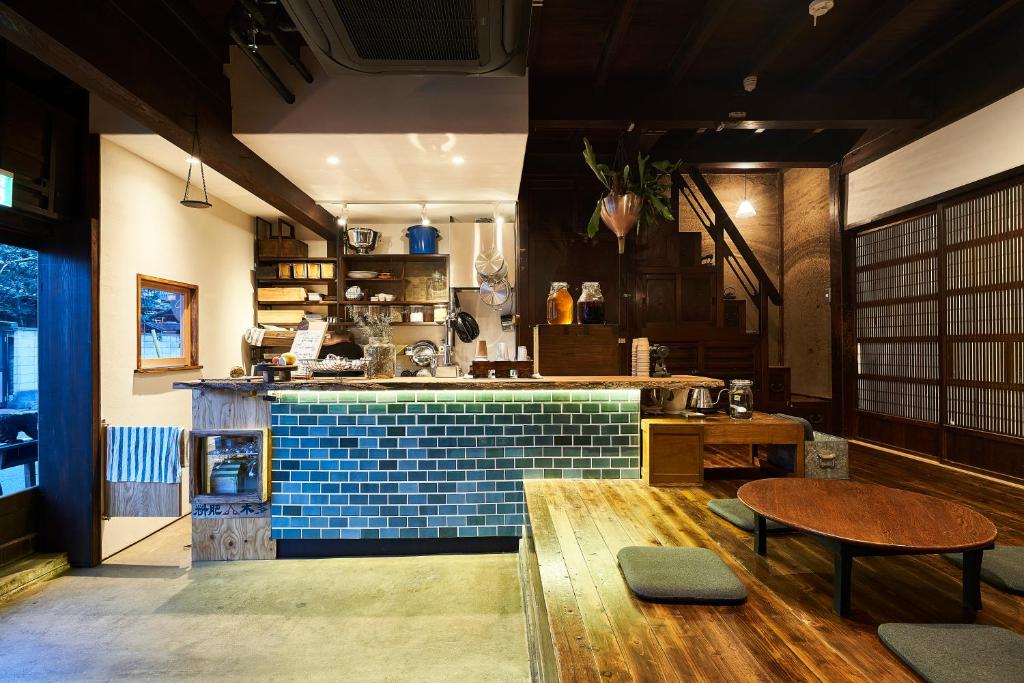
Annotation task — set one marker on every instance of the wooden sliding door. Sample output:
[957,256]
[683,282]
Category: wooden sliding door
[939,312]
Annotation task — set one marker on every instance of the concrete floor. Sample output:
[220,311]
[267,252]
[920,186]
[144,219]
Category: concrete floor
[147,614]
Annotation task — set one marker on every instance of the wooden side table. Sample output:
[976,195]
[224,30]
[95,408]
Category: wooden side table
[673,447]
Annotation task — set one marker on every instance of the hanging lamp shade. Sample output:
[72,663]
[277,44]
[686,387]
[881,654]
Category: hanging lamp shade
[191,198]
[745,209]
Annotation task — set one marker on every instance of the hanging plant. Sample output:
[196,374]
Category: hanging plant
[635,195]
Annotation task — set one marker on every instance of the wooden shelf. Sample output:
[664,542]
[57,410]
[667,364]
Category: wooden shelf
[395,257]
[348,324]
[374,279]
[296,259]
[394,303]
[293,281]
[322,302]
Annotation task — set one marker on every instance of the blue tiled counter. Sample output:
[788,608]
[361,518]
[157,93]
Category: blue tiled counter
[437,464]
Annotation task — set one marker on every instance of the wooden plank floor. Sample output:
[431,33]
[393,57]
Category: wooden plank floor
[786,630]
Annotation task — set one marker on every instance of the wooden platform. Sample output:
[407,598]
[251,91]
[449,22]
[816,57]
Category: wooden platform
[585,625]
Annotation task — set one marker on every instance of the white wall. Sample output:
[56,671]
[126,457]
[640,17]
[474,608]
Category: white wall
[977,146]
[143,229]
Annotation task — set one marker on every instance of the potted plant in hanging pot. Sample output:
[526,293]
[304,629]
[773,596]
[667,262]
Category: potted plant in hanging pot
[635,195]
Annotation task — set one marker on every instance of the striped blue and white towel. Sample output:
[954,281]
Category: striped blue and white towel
[145,454]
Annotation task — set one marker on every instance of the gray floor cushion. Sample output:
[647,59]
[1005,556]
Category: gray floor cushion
[689,575]
[736,513]
[957,653]
[1002,567]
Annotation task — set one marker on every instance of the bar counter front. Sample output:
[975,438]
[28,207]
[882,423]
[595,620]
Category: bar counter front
[410,465]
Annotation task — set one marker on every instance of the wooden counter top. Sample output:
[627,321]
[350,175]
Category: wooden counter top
[439,384]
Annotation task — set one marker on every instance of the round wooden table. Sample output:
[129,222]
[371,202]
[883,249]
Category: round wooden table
[853,519]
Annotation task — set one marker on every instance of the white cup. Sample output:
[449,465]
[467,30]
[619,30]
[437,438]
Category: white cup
[521,354]
[501,351]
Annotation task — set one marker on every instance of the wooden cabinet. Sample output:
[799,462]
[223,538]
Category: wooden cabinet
[576,350]
[673,454]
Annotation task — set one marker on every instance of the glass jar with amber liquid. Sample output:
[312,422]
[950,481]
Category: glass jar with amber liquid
[590,307]
[560,304]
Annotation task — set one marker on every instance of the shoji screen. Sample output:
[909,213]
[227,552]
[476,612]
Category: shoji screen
[897,297]
[984,300]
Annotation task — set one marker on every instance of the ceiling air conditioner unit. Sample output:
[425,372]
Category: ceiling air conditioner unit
[476,37]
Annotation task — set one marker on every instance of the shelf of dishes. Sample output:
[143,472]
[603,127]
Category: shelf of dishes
[398,312]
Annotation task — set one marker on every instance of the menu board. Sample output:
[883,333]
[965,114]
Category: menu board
[307,342]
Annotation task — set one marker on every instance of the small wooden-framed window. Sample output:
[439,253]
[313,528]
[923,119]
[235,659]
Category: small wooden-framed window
[167,316]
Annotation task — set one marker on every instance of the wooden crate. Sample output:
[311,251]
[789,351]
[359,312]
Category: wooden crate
[299,271]
[327,270]
[313,271]
[673,454]
[576,350]
[283,248]
[271,294]
[284,271]
[280,317]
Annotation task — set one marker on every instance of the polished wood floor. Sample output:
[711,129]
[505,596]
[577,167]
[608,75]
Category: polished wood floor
[786,630]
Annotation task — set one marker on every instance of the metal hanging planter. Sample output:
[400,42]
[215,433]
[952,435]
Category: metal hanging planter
[621,213]
[195,157]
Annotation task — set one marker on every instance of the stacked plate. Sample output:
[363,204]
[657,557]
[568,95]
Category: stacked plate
[362,274]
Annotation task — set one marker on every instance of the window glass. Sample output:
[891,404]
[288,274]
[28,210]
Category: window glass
[19,368]
[161,313]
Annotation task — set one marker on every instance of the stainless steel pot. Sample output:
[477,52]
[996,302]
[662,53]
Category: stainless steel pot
[363,240]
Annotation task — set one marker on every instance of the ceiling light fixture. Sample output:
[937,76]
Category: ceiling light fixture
[424,219]
[819,8]
[458,161]
[195,155]
[333,160]
[745,209]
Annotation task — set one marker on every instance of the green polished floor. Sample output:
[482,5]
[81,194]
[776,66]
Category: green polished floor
[147,614]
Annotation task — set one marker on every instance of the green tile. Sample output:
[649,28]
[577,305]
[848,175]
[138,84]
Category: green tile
[465,396]
[591,408]
[433,408]
[455,408]
[387,396]
[308,397]
[513,407]
[474,408]
[484,397]
[494,408]
[425,396]
[416,408]
[357,409]
[522,396]
[572,407]
[396,408]
[376,409]
[367,397]
[406,396]
[601,418]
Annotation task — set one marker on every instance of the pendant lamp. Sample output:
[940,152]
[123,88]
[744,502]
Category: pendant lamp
[195,159]
[745,209]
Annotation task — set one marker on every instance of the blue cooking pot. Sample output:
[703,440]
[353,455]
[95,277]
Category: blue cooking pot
[422,239]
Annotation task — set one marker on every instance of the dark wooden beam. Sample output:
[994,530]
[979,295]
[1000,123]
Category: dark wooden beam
[614,41]
[696,38]
[573,103]
[89,42]
[536,26]
[792,21]
[855,42]
[939,41]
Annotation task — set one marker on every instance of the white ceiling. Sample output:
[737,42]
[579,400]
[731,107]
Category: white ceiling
[172,159]
[388,167]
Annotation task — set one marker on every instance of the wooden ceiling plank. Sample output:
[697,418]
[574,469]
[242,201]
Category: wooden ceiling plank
[696,38]
[87,42]
[943,40]
[791,23]
[615,39]
[855,42]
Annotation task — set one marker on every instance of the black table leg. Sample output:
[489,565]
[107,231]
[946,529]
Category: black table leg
[972,582]
[841,578]
[760,535]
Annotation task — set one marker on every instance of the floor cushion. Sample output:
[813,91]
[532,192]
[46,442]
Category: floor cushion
[686,575]
[957,653]
[1002,567]
[736,513]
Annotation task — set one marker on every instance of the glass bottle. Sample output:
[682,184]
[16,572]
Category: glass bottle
[380,358]
[741,399]
[559,304]
[590,307]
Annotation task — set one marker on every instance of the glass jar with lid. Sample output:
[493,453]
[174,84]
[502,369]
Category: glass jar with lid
[741,399]
[590,307]
[559,304]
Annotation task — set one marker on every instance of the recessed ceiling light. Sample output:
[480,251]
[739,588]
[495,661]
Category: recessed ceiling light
[333,160]
[458,161]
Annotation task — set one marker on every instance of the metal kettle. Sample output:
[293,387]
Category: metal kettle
[699,400]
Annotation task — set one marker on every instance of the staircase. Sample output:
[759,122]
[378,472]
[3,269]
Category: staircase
[683,303]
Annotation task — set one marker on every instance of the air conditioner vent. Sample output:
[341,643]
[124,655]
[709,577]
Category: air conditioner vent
[479,37]
[412,30]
